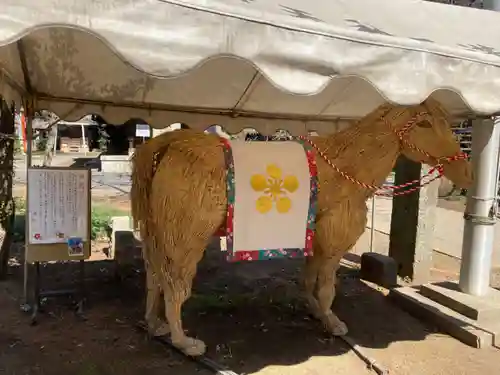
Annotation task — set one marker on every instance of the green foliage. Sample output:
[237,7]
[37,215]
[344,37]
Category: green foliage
[20,205]
[19,229]
[103,139]
[100,221]
[18,147]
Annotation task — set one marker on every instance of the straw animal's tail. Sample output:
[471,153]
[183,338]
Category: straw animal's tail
[144,163]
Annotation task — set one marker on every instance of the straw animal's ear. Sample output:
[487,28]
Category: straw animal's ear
[435,111]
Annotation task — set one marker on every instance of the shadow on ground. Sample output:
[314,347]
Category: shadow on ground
[250,315]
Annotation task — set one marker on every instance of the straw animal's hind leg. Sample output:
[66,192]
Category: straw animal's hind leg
[155,312]
[177,282]
[185,249]
[188,205]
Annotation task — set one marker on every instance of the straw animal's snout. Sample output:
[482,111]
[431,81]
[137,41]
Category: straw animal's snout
[431,141]
[460,173]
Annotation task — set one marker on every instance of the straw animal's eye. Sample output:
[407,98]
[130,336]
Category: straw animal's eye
[424,124]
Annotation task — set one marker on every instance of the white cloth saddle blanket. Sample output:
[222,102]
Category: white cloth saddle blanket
[272,189]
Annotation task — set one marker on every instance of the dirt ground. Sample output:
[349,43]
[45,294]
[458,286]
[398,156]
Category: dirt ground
[250,315]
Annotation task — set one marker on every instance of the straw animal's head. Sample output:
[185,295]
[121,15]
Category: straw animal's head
[426,137]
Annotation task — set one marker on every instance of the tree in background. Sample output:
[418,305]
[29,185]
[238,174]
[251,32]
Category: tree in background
[7,210]
[51,133]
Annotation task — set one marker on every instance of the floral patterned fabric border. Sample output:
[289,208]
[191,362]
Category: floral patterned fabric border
[264,254]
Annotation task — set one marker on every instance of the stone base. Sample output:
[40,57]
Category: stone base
[481,309]
[379,269]
[478,334]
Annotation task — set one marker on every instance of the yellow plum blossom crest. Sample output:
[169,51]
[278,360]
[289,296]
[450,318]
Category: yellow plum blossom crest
[275,188]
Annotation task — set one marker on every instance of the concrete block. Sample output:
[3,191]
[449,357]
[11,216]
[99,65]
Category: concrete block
[116,164]
[125,248]
[120,223]
[481,309]
[379,269]
[459,326]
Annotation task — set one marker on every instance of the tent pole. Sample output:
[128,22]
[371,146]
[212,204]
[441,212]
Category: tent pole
[479,223]
[479,217]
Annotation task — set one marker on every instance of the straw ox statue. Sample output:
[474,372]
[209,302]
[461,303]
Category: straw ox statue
[180,198]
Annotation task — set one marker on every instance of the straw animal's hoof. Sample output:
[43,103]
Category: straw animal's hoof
[339,329]
[334,325]
[158,327]
[192,347]
[161,330]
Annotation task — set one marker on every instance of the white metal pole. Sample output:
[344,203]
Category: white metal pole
[56,135]
[84,141]
[479,229]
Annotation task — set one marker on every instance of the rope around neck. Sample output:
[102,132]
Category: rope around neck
[390,190]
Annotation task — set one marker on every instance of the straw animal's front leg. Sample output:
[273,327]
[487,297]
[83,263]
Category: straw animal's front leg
[155,314]
[319,283]
[326,294]
[310,279]
[335,235]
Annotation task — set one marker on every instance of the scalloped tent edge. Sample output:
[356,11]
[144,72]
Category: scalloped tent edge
[263,65]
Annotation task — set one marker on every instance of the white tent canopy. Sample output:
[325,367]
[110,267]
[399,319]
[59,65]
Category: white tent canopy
[268,64]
